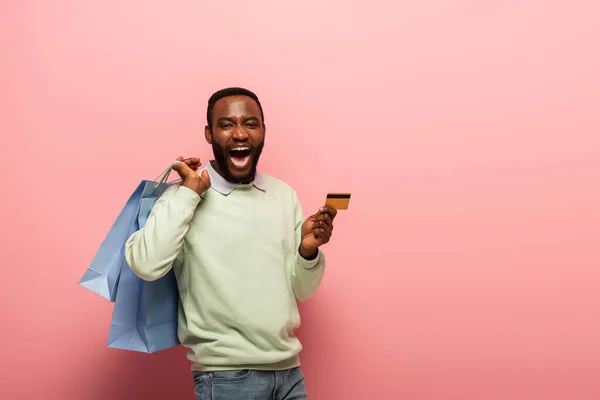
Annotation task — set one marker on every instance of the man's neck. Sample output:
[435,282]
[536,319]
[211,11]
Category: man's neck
[225,176]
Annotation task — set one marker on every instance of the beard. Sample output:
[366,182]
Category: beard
[221,156]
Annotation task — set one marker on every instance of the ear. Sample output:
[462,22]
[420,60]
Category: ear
[208,134]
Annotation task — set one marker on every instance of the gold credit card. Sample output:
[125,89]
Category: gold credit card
[339,201]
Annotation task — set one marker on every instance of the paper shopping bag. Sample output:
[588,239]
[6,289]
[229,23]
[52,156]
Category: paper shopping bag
[103,274]
[145,313]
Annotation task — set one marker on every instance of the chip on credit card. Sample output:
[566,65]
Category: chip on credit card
[339,201]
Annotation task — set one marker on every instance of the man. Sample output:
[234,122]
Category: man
[243,255]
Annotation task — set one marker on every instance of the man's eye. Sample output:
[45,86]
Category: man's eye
[225,126]
[251,124]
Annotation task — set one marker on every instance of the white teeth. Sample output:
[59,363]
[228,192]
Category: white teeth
[241,148]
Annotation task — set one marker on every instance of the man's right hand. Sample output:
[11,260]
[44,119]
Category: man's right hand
[189,176]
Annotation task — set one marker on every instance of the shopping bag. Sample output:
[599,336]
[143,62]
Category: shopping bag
[103,274]
[145,313]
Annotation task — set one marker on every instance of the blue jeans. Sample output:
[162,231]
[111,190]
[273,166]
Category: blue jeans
[250,385]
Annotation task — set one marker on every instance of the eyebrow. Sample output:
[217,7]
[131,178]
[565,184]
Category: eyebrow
[246,119]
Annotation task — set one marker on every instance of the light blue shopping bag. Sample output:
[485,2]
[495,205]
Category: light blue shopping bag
[103,274]
[145,313]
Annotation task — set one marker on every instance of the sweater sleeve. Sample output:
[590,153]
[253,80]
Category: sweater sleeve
[306,274]
[151,251]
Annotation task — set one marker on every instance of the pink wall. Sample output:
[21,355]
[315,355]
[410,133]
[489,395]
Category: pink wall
[467,131]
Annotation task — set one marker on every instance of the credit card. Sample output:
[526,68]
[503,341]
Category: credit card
[339,201]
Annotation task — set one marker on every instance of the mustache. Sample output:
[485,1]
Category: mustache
[254,150]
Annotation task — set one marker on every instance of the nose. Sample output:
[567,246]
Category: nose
[240,133]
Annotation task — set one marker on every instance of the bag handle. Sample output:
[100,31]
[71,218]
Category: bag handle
[162,178]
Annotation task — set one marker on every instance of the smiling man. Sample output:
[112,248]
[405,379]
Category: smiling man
[243,255]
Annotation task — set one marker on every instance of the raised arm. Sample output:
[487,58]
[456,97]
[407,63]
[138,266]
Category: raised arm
[150,251]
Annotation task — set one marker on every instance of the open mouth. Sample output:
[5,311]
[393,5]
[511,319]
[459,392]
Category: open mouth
[240,156]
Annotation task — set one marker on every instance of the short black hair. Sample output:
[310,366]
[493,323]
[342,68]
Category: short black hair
[231,91]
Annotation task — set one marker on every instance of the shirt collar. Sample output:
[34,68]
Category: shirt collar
[225,187]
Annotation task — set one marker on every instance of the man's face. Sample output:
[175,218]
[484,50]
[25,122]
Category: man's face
[237,137]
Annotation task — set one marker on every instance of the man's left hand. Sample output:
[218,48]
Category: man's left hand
[316,231]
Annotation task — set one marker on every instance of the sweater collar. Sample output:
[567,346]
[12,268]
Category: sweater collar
[225,187]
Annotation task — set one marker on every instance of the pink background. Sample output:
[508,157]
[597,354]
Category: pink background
[467,131]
